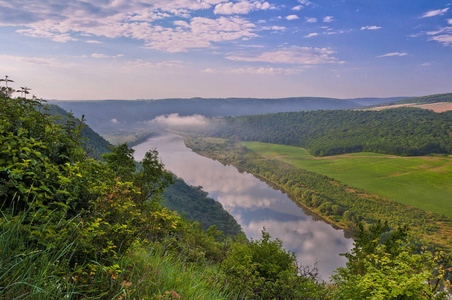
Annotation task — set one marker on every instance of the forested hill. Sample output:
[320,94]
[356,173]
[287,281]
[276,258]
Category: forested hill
[427,99]
[120,113]
[401,131]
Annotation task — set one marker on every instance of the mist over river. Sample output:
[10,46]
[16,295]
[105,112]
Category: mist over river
[254,204]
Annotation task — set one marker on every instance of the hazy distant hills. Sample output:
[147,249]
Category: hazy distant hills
[125,112]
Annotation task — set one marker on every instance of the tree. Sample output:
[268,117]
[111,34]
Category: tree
[383,265]
[6,80]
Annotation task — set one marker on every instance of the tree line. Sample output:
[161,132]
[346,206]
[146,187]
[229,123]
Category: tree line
[400,131]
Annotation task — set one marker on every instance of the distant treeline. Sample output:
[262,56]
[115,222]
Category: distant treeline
[401,131]
[427,99]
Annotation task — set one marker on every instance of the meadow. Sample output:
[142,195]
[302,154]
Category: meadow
[422,181]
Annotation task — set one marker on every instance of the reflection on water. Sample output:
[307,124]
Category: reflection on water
[254,204]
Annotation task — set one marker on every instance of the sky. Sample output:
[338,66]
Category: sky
[154,49]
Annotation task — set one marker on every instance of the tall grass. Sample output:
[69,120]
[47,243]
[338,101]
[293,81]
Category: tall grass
[26,272]
[153,272]
[146,272]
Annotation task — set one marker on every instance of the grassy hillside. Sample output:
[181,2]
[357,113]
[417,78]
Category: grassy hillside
[423,182]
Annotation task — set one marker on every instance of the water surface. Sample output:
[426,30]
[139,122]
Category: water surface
[254,204]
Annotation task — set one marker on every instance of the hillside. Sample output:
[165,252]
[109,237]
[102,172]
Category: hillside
[427,99]
[401,131]
[111,114]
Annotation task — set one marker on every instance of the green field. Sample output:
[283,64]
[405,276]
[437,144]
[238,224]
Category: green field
[424,182]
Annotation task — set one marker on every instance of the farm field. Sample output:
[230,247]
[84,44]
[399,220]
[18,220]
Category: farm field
[424,182]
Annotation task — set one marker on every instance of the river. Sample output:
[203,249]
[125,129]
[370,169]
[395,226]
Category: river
[254,205]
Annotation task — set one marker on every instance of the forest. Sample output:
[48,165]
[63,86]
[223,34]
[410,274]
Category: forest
[427,99]
[74,227]
[399,131]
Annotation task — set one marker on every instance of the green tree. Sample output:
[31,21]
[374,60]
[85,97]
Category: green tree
[383,265]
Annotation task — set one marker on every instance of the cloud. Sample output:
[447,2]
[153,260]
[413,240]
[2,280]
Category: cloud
[449,21]
[177,120]
[311,20]
[290,55]
[394,54]
[311,34]
[93,42]
[292,17]
[433,13]
[442,35]
[243,7]
[135,19]
[276,28]
[328,19]
[100,55]
[298,7]
[370,27]
[256,71]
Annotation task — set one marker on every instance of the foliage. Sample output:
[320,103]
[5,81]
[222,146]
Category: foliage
[382,265]
[400,131]
[263,269]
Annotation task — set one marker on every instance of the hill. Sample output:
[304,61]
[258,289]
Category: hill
[111,114]
[400,131]
[427,99]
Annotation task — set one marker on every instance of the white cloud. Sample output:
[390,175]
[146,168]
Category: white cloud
[256,70]
[312,34]
[311,20]
[176,120]
[292,17]
[276,28]
[449,21]
[290,55]
[370,27]
[298,7]
[328,19]
[93,42]
[426,64]
[134,19]
[433,13]
[443,35]
[243,7]
[100,55]
[394,54]
[445,39]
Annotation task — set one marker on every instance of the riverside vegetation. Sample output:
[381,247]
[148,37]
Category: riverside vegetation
[72,227]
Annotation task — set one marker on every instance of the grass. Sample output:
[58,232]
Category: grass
[424,182]
[146,272]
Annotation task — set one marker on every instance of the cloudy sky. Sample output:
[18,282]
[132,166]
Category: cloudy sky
[151,49]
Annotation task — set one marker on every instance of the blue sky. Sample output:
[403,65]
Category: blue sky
[151,49]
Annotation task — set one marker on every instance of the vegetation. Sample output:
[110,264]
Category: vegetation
[383,265]
[73,227]
[401,131]
[338,203]
[408,180]
[93,144]
[427,99]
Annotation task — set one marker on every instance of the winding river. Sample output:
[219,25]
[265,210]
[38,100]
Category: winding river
[255,205]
